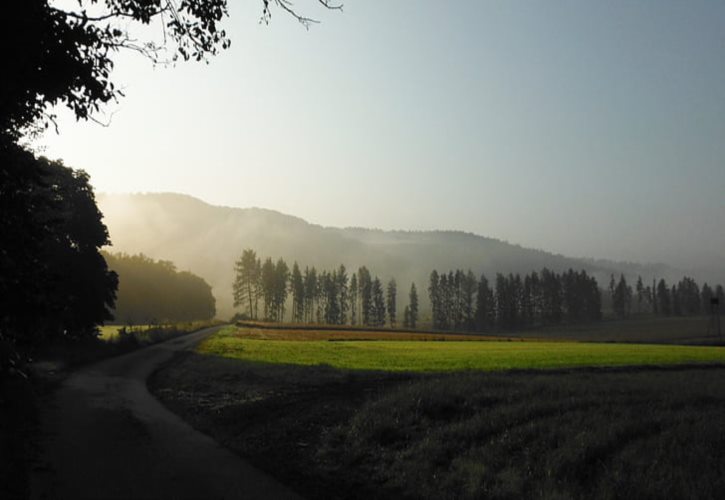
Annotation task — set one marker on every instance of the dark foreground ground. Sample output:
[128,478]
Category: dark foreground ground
[628,433]
[103,436]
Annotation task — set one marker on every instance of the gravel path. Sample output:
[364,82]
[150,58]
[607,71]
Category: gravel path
[105,436]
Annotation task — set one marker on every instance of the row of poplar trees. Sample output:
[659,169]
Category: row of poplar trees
[460,301]
[332,297]
[684,298]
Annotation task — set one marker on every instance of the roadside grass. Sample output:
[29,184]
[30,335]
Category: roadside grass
[151,333]
[451,355]
[630,432]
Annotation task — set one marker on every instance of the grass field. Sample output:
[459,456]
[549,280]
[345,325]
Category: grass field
[428,353]
[329,433]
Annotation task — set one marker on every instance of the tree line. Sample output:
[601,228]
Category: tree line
[460,301]
[334,297]
[684,298]
[152,291]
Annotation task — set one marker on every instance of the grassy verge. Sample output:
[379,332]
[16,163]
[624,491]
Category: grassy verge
[54,358]
[329,433]
[449,355]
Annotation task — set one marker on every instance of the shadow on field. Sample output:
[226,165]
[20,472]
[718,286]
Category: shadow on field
[632,432]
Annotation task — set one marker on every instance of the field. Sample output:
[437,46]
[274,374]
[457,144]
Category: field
[438,353]
[366,414]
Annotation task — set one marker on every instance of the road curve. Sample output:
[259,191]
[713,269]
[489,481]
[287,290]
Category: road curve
[105,436]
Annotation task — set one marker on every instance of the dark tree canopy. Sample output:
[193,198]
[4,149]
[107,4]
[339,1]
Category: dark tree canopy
[62,52]
[59,56]
[53,279]
[153,291]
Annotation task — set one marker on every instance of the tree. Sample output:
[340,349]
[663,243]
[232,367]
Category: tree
[377,312]
[720,295]
[353,300]
[413,306]
[245,288]
[54,282]
[343,292]
[65,55]
[297,287]
[365,288]
[622,298]
[434,293]
[391,302]
[640,293]
[468,300]
[154,291]
[663,298]
[485,304]
[706,297]
[311,293]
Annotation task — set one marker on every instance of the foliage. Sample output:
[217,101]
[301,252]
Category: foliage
[153,291]
[53,279]
[65,56]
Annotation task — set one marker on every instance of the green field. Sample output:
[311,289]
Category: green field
[447,356]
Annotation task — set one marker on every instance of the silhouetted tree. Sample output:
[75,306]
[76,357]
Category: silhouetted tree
[485,304]
[311,293]
[663,298]
[622,298]
[354,306]
[413,307]
[365,287]
[377,312]
[468,288]
[154,291]
[246,282]
[343,292]
[434,293]
[706,296]
[675,300]
[391,302]
[53,280]
[640,293]
[62,53]
[688,293]
[297,288]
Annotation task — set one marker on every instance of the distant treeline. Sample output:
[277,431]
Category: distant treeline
[461,302]
[331,297]
[685,298]
[151,291]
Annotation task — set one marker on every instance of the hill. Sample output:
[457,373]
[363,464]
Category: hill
[207,239]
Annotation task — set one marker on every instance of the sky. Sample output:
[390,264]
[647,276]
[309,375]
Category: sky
[585,128]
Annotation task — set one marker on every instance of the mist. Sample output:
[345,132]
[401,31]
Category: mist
[207,240]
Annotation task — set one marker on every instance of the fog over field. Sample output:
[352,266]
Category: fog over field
[207,239]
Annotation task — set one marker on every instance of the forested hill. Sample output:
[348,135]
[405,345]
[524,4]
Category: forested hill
[207,239]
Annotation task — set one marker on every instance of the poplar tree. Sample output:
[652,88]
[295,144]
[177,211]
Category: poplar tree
[377,313]
[246,282]
[353,300]
[413,307]
[391,302]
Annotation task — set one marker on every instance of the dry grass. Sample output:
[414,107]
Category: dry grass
[267,332]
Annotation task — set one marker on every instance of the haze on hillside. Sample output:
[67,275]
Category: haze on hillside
[207,240]
[583,128]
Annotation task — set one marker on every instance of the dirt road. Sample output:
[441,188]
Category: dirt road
[105,436]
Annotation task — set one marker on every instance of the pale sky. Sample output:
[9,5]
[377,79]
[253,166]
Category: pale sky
[586,128]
